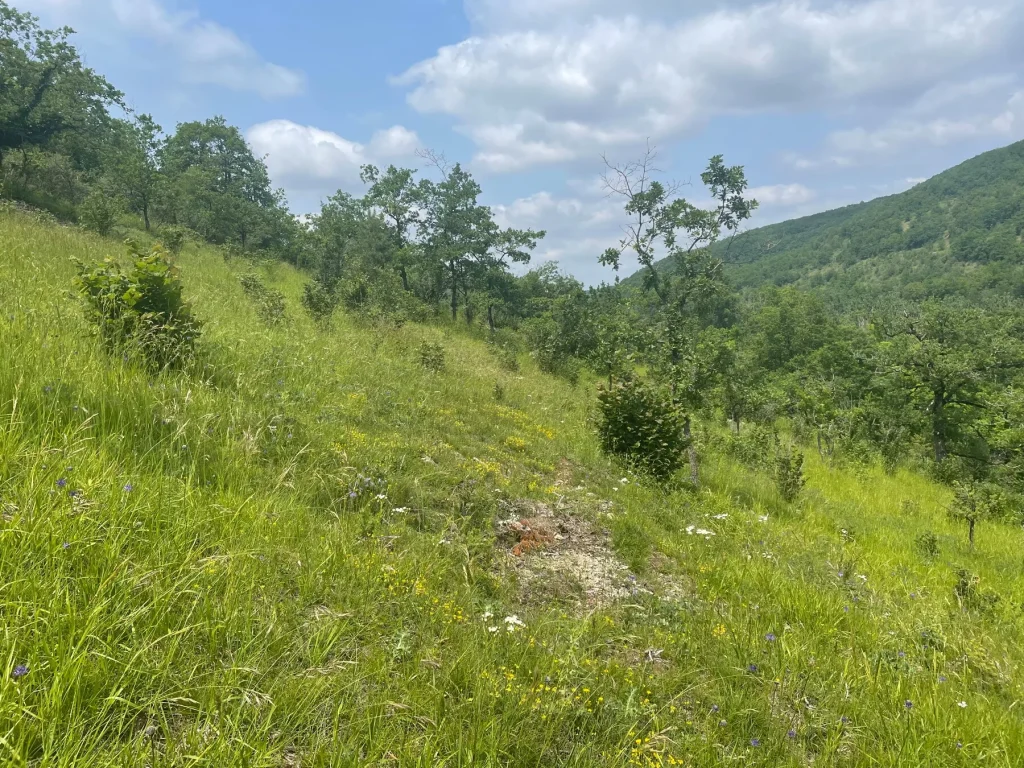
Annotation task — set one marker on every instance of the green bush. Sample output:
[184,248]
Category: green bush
[269,303]
[432,357]
[789,475]
[928,545]
[174,238]
[639,425]
[99,212]
[140,310]
[756,446]
[320,301]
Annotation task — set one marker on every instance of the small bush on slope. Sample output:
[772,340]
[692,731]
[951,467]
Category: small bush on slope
[140,310]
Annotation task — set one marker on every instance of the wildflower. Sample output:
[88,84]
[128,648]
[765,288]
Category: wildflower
[20,671]
[722,723]
[770,637]
[492,630]
[942,678]
[714,707]
[791,733]
[763,518]
[962,704]
[844,720]
[755,742]
[61,483]
[488,615]
[66,545]
[382,497]
[752,668]
[959,745]
[908,704]
[512,623]
[901,655]
[353,495]
[128,487]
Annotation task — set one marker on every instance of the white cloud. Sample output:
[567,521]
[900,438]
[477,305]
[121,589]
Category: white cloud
[309,161]
[205,52]
[782,194]
[554,80]
[987,107]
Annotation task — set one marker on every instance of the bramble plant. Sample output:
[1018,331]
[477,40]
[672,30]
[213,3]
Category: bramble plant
[320,302]
[432,357]
[174,238]
[140,310]
[269,303]
[928,545]
[99,213]
[640,425]
[789,475]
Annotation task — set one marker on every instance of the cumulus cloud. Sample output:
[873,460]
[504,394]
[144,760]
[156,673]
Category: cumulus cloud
[548,82]
[206,53]
[987,107]
[310,162]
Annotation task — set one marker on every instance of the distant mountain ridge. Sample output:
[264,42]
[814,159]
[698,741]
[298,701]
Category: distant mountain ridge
[958,233]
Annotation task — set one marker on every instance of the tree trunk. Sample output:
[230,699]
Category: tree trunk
[490,317]
[970,531]
[405,277]
[455,291]
[145,215]
[694,464]
[938,409]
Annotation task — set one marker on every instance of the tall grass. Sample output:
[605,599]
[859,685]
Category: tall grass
[285,557]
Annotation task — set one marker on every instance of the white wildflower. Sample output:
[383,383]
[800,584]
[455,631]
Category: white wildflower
[512,623]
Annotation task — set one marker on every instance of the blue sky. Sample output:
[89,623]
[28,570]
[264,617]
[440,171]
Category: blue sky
[824,102]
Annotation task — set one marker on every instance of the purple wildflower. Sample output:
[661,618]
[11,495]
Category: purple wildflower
[714,707]
[755,742]
[791,733]
[353,495]
[844,720]
[752,668]
[61,483]
[942,678]
[20,671]
[66,545]
[901,654]
[770,637]
[128,487]
[908,704]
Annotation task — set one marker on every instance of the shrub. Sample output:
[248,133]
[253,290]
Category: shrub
[789,475]
[641,426]
[499,392]
[99,212]
[141,309]
[320,301]
[756,447]
[269,303]
[174,238]
[432,357]
[928,545]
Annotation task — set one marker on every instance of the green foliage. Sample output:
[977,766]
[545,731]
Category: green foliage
[789,475]
[140,310]
[99,212]
[974,502]
[269,303]
[928,545]
[757,446]
[320,301]
[641,426]
[432,357]
[175,238]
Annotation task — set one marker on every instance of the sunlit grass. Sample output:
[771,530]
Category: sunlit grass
[189,581]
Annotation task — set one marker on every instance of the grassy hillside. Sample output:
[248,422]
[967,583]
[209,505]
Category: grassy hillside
[310,551]
[956,234]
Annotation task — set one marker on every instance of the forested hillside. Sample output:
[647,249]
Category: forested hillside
[956,234]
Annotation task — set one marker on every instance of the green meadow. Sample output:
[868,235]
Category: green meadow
[298,552]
